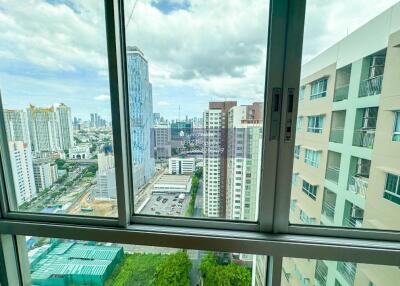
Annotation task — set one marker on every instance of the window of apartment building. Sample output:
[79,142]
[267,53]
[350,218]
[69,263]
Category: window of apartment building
[310,189]
[299,124]
[301,93]
[315,124]
[209,63]
[297,150]
[392,188]
[318,88]
[312,157]
[396,130]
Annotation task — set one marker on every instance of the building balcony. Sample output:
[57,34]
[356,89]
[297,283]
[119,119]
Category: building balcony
[341,93]
[348,271]
[336,135]
[359,185]
[371,86]
[332,174]
[328,210]
[364,138]
[352,222]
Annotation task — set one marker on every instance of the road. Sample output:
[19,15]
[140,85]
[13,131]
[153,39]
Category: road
[199,201]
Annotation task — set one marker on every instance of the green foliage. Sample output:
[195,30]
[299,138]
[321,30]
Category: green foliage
[193,190]
[199,173]
[89,175]
[69,184]
[224,275]
[92,168]
[136,269]
[93,148]
[174,270]
[60,164]
[62,179]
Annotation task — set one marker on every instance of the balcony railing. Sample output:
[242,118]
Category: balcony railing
[320,277]
[352,222]
[371,86]
[328,210]
[341,93]
[332,174]
[336,135]
[359,185]
[348,271]
[364,138]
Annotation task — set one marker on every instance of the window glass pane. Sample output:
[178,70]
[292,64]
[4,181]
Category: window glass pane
[351,157]
[307,272]
[48,261]
[56,107]
[196,72]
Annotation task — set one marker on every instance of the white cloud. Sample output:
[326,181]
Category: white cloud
[102,97]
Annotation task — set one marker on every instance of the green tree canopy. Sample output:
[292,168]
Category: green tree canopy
[174,270]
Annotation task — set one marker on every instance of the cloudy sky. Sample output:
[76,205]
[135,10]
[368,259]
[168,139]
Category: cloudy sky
[198,50]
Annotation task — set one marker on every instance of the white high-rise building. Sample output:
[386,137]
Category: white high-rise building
[106,184]
[16,125]
[50,128]
[45,173]
[63,114]
[244,162]
[214,185]
[21,164]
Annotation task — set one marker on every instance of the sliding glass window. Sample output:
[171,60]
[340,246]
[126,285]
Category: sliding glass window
[56,135]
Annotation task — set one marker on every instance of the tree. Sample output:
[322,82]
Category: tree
[60,164]
[174,270]
[224,275]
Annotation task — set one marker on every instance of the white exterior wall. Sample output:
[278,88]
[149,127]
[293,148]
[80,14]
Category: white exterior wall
[21,163]
[181,166]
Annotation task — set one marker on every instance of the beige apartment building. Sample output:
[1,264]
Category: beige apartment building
[347,156]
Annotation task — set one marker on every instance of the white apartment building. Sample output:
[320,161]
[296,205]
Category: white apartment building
[64,119]
[106,181]
[181,166]
[21,164]
[244,164]
[16,125]
[45,173]
[347,156]
[50,128]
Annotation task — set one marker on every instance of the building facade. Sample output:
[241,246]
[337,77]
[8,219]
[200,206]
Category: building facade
[141,117]
[106,180]
[347,155]
[244,150]
[64,119]
[181,166]
[45,173]
[215,157]
[16,125]
[21,165]
[162,141]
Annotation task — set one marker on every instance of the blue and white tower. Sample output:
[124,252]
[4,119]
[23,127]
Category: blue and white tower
[140,117]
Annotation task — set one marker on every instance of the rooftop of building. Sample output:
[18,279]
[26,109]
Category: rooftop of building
[72,258]
[173,180]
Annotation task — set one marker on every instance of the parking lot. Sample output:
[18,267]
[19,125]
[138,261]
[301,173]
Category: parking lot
[166,205]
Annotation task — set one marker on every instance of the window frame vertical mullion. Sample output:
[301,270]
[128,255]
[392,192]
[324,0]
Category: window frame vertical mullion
[118,95]
[291,83]
[273,88]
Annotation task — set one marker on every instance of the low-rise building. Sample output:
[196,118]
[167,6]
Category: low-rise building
[173,184]
[81,151]
[181,166]
[45,172]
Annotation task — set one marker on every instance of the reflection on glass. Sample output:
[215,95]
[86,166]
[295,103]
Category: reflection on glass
[56,107]
[196,106]
[348,158]
[309,272]
[70,262]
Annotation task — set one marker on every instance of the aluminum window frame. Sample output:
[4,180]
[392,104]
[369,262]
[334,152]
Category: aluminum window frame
[273,235]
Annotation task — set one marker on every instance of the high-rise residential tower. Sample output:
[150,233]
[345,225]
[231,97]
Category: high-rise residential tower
[21,165]
[141,117]
[106,183]
[64,119]
[16,125]
[215,157]
[347,156]
[244,150]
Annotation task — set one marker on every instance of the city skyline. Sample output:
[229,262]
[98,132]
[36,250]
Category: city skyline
[53,72]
